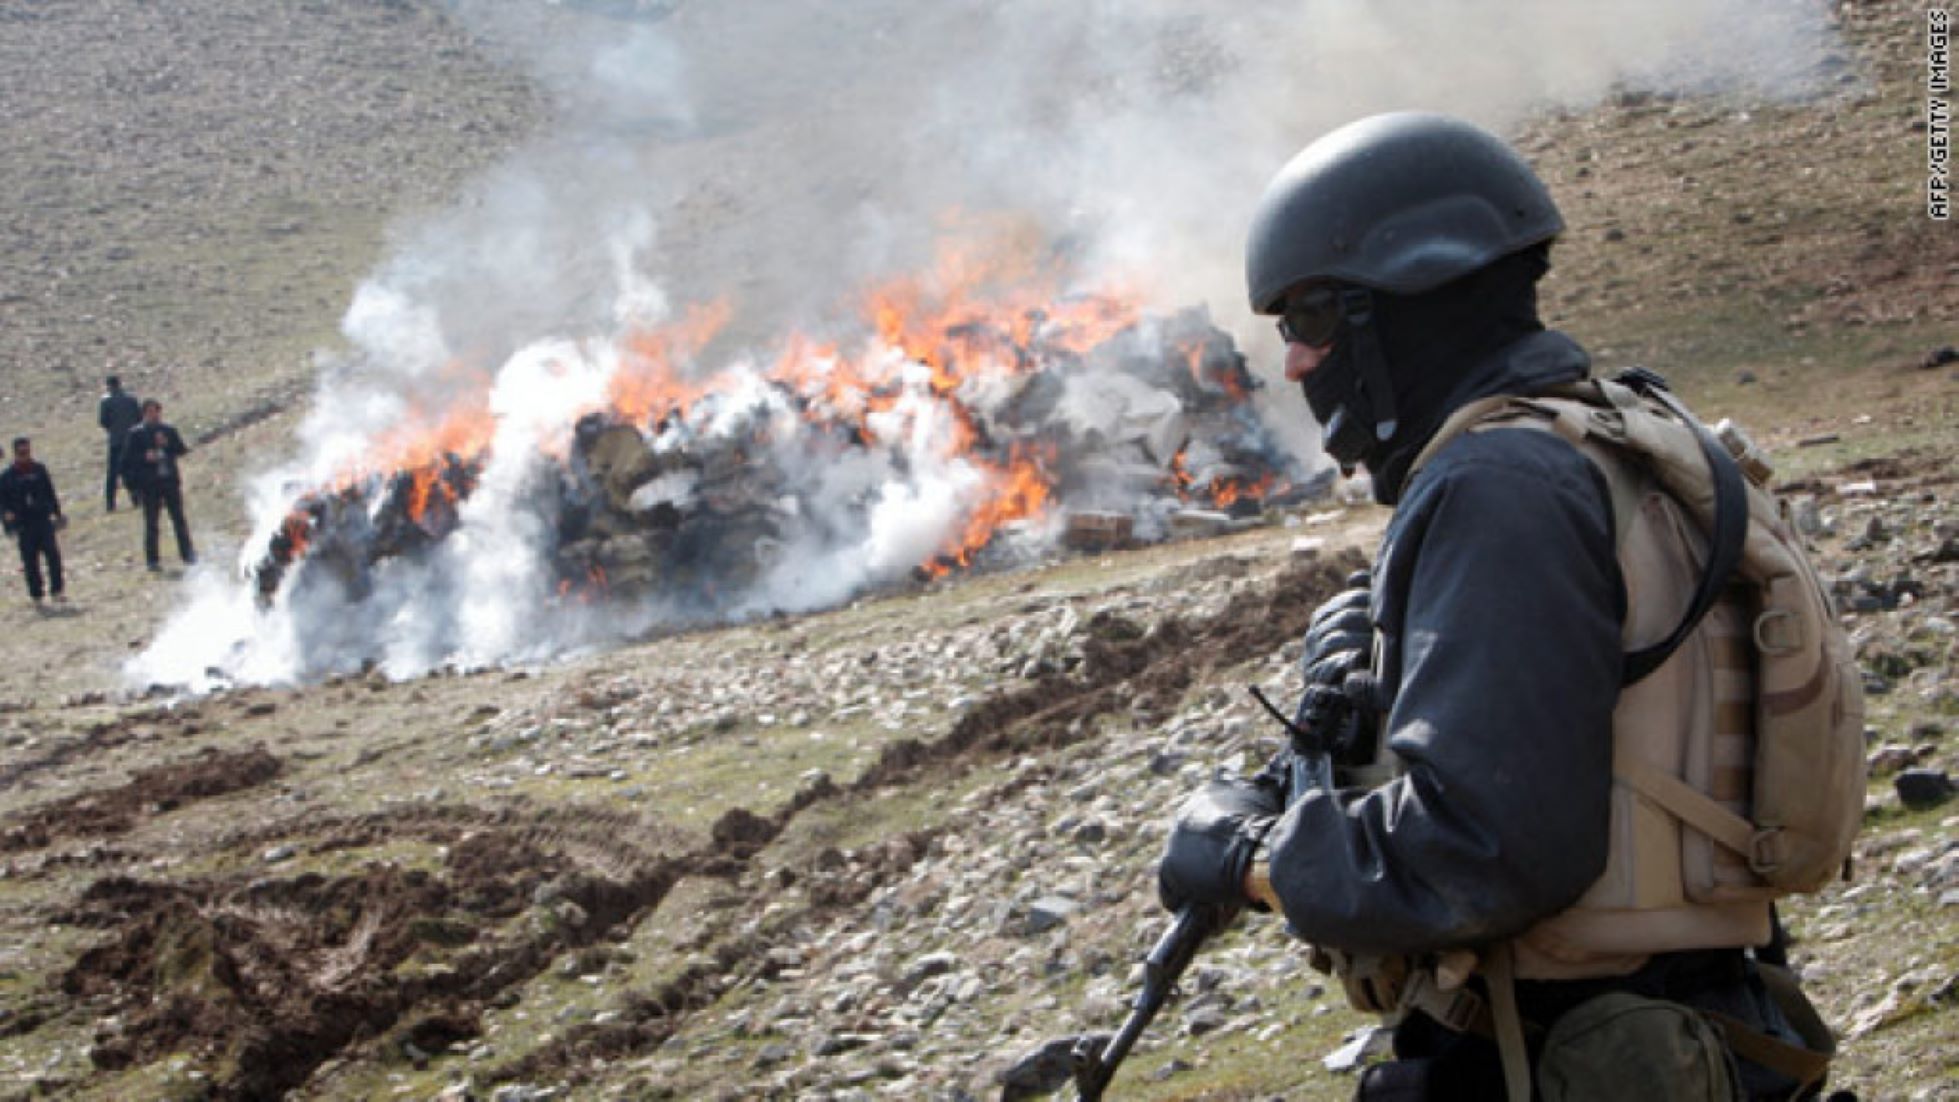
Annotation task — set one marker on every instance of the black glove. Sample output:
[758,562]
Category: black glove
[1211,847]
[1340,638]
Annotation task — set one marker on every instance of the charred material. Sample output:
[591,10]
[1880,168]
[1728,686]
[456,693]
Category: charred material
[699,504]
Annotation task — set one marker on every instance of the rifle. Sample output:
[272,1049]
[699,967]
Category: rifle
[1320,729]
[1094,1063]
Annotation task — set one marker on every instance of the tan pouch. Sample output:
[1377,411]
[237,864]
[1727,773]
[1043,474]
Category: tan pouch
[1625,1046]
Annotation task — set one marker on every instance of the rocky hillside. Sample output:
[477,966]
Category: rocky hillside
[885,851]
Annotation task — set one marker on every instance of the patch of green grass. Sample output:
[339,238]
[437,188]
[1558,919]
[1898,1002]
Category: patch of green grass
[694,783]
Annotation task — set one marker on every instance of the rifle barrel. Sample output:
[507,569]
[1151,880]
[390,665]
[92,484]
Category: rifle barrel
[1167,960]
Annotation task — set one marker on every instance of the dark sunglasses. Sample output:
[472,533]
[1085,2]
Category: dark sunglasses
[1311,317]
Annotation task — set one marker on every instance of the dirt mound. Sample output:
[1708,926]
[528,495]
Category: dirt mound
[276,974]
[1125,665]
[272,976]
[150,792]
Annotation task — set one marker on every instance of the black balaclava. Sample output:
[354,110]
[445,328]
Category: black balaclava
[1421,348]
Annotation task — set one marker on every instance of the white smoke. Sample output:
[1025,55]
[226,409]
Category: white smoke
[778,155]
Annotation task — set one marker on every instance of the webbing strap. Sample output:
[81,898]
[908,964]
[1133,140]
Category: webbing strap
[1500,974]
[1725,541]
[1686,802]
[1787,1060]
[1458,423]
[1730,530]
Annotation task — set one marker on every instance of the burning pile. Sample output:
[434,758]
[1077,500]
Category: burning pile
[601,487]
[696,492]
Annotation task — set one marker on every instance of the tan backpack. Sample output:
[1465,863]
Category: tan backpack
[1781,820]
[1806,798]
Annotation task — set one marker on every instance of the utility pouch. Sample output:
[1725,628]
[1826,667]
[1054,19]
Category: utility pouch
[1374,985]
[1625,1046]
[1395,1081]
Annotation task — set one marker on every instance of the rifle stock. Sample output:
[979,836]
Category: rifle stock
[1311,767]
[1172,954]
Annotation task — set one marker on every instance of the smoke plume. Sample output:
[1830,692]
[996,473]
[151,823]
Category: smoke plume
[771,160]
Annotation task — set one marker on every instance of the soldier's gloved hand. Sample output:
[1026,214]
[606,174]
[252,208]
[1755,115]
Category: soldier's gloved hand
[1211,847]
[1340,637]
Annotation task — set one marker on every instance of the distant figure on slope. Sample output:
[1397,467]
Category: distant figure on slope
[149,466]
[117,413]
[32,513]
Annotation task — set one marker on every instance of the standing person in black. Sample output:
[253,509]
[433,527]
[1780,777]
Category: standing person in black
[149,466]
[117,413]
[32,512]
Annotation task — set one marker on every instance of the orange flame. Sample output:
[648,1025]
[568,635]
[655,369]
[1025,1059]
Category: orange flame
[298,530]
[997,301]
[1180,474]
[650,382]
[1196,358]
[1225,491]
[1016,490]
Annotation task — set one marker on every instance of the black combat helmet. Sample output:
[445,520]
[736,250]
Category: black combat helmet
[1402,203]
[1398,204]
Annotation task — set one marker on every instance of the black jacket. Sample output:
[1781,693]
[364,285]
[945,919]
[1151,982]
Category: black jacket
[150,454]
[117,413]
[1498,604]
[29,495]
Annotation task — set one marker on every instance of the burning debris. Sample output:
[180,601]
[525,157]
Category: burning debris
[702,502]
[599,488]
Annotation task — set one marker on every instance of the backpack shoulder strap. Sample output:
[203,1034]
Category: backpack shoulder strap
[1575,411]
[1727,533]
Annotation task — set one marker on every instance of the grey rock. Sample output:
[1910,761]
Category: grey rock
[773,1053]
[1358,1048]
[1049,911]
[1204,1020]
[278,853]
[1890,759]
[832,1044]
[929,965]
[1043,1071]
[1176,1066]
[1809,517]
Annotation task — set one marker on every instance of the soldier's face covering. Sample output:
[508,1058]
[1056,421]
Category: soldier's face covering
[1431,343]
[1339,403]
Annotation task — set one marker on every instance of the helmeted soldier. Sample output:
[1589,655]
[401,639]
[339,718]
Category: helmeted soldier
[1477,827]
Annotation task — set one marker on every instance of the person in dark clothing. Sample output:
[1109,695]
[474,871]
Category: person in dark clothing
[117,413]
[32,514]
[1483,652]
[150,467]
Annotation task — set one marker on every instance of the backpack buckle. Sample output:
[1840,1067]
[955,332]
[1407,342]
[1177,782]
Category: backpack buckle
[1778,631]
[1765,852]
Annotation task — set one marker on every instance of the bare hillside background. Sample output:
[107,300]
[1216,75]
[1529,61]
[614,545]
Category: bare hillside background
[873,853]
